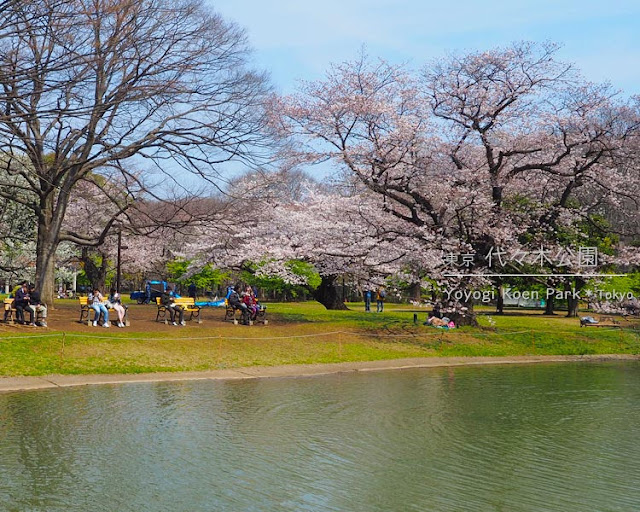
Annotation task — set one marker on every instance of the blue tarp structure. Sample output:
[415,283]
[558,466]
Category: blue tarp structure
[210,303]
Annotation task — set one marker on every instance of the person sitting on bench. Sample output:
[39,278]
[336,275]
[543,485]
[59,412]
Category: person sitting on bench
[167,299]
[236,303]
[97,303]
[36,306]
[250,300]
[116,303]
[21,301]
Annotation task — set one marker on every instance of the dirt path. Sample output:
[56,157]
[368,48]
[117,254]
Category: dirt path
[66,314]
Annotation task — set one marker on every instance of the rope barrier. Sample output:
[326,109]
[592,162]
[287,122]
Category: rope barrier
[31,336]
[213,337]
[298,336]
[167,338]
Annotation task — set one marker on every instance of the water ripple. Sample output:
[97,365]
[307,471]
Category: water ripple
[528,438]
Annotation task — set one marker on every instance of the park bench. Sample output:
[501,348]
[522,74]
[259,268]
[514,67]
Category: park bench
[187,303]
[235,314]
[9,310]
[86,309]
[603,321]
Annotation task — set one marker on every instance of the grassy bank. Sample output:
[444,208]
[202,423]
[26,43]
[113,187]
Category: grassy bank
[298,333]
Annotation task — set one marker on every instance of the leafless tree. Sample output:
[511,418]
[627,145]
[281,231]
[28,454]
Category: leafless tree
[104,86]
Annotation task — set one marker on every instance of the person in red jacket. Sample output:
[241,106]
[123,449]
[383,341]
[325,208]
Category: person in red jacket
[251,302]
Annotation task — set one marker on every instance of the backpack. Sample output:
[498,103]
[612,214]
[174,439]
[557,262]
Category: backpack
[383,294]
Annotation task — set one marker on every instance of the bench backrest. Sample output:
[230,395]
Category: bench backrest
[185,301]
[8,303]
[181,301]
[85,300]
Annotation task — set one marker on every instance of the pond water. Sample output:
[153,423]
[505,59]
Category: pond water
[553,437]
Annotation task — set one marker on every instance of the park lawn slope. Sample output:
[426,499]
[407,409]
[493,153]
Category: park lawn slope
[297,333]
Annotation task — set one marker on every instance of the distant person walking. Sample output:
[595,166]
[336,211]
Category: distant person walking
[191,291]
[367,300]
[380,296]
[147,293]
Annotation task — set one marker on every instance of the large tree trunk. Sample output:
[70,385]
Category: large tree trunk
[500,299]
[46,247]
[549,306]
[574,302]
[45,271]
[415,292]
[327,294]
[97,275]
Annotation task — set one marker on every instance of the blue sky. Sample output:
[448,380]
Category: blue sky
[296,40]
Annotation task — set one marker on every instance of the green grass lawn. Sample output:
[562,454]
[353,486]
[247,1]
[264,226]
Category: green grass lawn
[300,333]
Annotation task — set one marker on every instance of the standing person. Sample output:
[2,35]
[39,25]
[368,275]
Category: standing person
[191,292]
[21,301]
[380,296]
[167,299]
[116,303]
[36,306]
[367,300]
[96,301]
[147,293]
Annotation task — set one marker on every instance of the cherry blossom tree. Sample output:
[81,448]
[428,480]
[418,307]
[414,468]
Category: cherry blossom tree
[278,224]
[459,151]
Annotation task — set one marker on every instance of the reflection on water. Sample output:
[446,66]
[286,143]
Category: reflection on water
[528,438]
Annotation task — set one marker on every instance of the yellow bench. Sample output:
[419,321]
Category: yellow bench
[85,308]
[187,303]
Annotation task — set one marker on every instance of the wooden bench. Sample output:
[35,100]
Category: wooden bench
[603,321]
[9,310]
[85,309]
[235,314]
[187,303]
